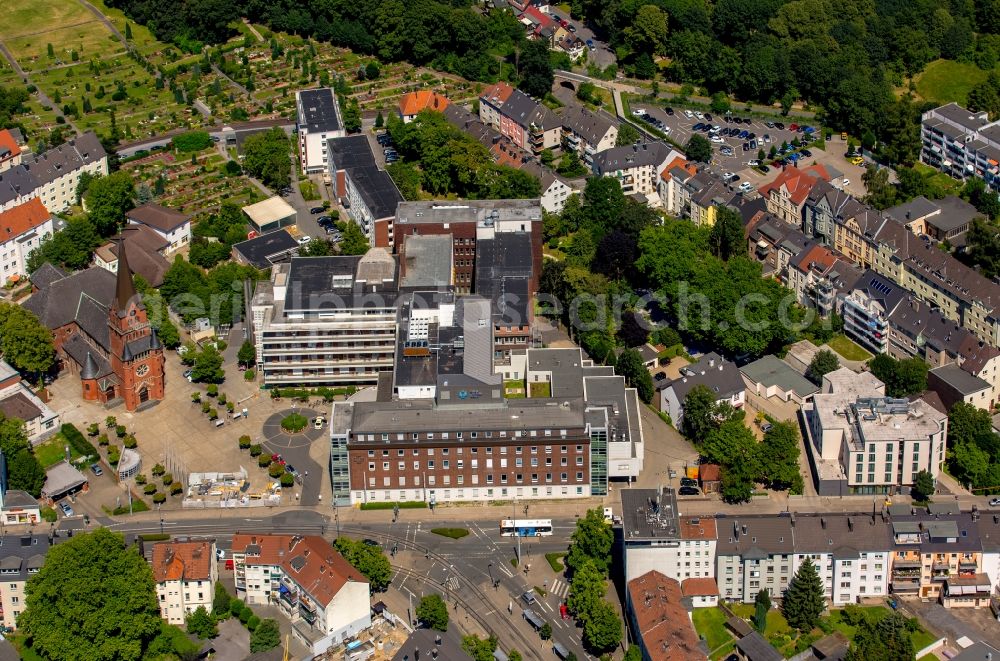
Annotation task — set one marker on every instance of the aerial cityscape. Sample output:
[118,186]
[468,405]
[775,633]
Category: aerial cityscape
[499,330]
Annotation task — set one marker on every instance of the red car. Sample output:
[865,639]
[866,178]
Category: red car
[793,127]
[277,458]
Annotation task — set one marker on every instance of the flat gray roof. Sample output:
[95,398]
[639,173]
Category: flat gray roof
[773,371]
[959,379]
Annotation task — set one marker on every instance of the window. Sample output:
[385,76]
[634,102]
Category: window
[401,466]
[385,465]
[445,464]
[371,465]
[430,465]
[399,453]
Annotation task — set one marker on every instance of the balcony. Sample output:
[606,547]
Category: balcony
[905,587]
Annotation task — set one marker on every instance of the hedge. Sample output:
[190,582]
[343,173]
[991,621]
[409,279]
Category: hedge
[77,441]
[404,505]
[305,393]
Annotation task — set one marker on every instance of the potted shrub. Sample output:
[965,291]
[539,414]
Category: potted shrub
[167,479]
[264,461]
[103,440]
[213,390]
[93,430]
[130,442]
[256,450]
[159,498]
[140,479]
[158,470]
[149,489]
[196,397]
[287,480]
[176,488]
[245,442]
[120,431]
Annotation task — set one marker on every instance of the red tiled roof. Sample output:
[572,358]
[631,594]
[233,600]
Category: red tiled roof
[7,141]
[498,93]
[699,587]
[413,102]
[698,527]
[182,561]
[20,219]
[710,472]
[323,570]
[798,182]
[661,620]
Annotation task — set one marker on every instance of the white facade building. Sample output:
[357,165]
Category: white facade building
[318,119]
[185,575]
[22,229]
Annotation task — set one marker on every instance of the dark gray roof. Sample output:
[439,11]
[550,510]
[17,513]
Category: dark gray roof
[56,303]
[319,108]
[503,271]
[844,536]
[978,651]
[45,275]
[349,152]
[591,126]
[755,535]
[630,156]
[58,161]
[157,216]
[16,182]
[918,207]
[422,641]
[718,375]
[882,289]
[18,498]
[428,260]
[756,648]
[525,111]
[15,552]
[958,379]
[648,514]
[83,352]
[917,318]
[19,406]
[330,283]
[353,154]
[267,249]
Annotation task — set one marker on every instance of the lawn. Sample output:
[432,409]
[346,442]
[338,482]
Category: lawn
[452,533]
[847,349]
[513,389]
[53,451]
[938,179]
[710,623]
[540,389]
[555,561]
[943,81]
[66,24]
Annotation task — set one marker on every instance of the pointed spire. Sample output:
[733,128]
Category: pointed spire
[124,288]
[89,370]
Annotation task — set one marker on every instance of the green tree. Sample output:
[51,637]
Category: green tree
[727,237]
[699,412]
[369,560]
[631,367]
[379,120]
[208,366]
[586,589]
[433,612]
[570,165]
[480,649]
[545,632]
[106,201]
[72,247]
[923,486]
[94,598]
[648,31]
[881,194]
[192,141]
[266,157]
[24,472]
[591,541]
[24,342]
[220,603]
[247,354]
[627,135]
[762,604]
[823,362]
[779,456]
[201,624]
[804,601]
[354,241]
[536,69]
[633,653]
[602,629]
[698,149]
[884,639]
[604,201]
[266,636]
[902,378]
[984,248]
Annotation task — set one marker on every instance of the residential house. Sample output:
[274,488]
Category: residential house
[660,619]
[674,195]
[656,537]
[771,376]
[637,167]
[17,186]
[820,279]
[21,557]
[825,207]
[146,248]
[22,230]
[754,553]
[939,556]
[18,401]
[587,132]
[786,195]
[185,574]
[854,236]
[703,592]
[953,385]
[173,226]
[10,151]
[867,308]
[529,124]
[704,205]
[863,442]
[555,190]
[947,219]
[317,120]
[367,191]
[56,173]
[412,103]
[308,580]
[774,243]
[720,376]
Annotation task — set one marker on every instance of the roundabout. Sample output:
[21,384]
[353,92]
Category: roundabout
[279,439]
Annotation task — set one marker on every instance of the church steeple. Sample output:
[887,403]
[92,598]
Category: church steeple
[124,288]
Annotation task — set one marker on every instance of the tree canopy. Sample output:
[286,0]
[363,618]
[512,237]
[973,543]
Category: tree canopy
[367,559]
[24,342]
[266,156]
[106,201]
[902,378]
[824,362]
[804,601]
[93,598]
[591,541]
[433,612]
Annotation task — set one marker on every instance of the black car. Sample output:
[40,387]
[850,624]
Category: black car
[317,210]
[323,221]
[779,126]
[669,111]
[806,153]
[689,482]
[660,376]
[687,491]
[697,127]
[708,117]
[764,168]
[370,542]
[746,146]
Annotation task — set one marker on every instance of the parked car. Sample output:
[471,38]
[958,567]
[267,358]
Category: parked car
[669,111]
[638,112]
[806,153]
[688,491]
[697,127]
[793,127]
[187,375]
[370,542]
[277,458]
[779,126]
[96,470]
[764,168]
[316,210]
[994,502]
[590,44]
[688,114]
[689,482]
[766,427]
[708,117]
[66,509]
[318,422]
[769,125]
[716,139]
[528,597]
[303,240]
[726,176]
[746,187]
[291,470]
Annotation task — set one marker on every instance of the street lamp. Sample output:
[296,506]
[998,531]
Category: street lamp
[517,534]
[490,568]
[161,517]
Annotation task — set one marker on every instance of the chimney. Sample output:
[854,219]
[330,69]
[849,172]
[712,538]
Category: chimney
[744,529]
[822,522]
[850,524]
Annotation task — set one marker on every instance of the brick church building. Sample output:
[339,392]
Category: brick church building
[101,333]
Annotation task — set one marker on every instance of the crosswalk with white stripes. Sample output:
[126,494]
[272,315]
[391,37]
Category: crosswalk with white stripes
[559,588]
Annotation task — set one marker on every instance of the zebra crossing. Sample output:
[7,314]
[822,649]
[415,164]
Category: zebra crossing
[559,588]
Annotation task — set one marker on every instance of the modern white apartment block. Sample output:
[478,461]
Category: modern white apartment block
[318,119]
[863,442]
[961,143]
[326,321]
[327,600]
[637,167]
[185,575]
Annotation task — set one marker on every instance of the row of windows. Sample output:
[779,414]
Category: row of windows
[489,450]
[460,435]
[400,481]
[473,464]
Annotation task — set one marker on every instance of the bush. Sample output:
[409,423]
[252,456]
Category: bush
[256,450]
[205,407]
[155,537]
[76,440]
[176,488]
[192,141]
[160,498]
[213,414]
[140,479]
[245,442]
[167,478]
[93,430]
[294,422]
[253,623]
[249,375]
[287,480]
[222,398]
[196,397]
[130,442]
[158,470]
[103,440]
[120,431]
[49,514]
[213,390]
[150,489]
[305,393]
[235,606]
[230,407]
[275,470]
[245,614]
[264,461]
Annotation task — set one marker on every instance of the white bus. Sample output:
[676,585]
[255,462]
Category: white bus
[525,527]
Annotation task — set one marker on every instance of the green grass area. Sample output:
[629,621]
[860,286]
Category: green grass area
[946,80]
[724,651]
[404,505]
[309,190]
[710,623]
[453,533]
[938,179]
[540,389]
[541,591]
[513,389]
[53,451]
[848,349]
[294,422]
[555,561]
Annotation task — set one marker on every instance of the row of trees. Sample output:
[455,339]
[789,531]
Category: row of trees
[440,159]
[589,560]
[367,559]
[973,446]
[267,156]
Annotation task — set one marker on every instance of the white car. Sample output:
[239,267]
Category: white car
[726,176]
[638,112]
[303,240]
[665,129]
[688,114]
[716,138]
[753,163]
[746,187]
[699,115]
[846,182]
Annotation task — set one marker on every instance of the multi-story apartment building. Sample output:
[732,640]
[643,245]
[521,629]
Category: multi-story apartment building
[21,557]
[637,167]
[657,607]
[53,176]
[326,320]
[656,536]
[587,132]
[704,205]
[22,229]
[867,308]
[786,196]
[865,443]
[367,192]
[674,195]
[18,401]
[468,221]
[820,279]
[554,190]
[754,554]
[463,440]
[10,151]
[318,119]
[773,242]
[327,600]
[826,207]
[185,575]
[527,123]
[961,143]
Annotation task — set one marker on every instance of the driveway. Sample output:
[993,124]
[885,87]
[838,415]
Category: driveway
[975,624]
[600,55]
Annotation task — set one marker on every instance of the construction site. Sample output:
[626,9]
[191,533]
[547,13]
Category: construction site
[232,489]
